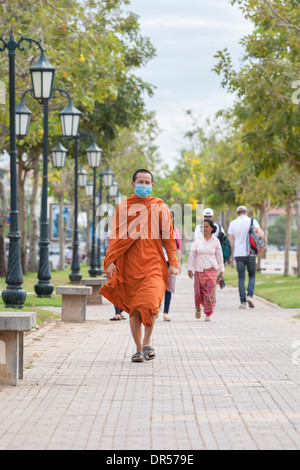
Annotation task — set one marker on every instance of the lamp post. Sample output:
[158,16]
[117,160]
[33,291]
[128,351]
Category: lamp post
[94,156]
[14,295]
[70,119]
[107,178]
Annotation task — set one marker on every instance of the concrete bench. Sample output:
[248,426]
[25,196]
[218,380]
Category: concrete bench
[12,327]
[271,267]
[74,301]
[95,283]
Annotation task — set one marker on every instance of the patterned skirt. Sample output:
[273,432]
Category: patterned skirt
[205,284]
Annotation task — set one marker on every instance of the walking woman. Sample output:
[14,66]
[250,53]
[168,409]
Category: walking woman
[205,260]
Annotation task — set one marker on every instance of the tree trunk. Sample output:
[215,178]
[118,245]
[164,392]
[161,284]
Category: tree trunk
[4,211]
[297,204]
[33,235]
[287,238]
[263,213]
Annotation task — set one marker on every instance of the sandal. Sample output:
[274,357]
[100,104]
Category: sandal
[149,353]
[198,312]
[116,318]
[138,357]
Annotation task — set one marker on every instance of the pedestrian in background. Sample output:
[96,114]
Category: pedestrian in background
[239,236]
[205,260]
[168,294]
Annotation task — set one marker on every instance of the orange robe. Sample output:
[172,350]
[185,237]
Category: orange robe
[140,226]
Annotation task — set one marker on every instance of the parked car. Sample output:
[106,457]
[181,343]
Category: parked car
[292,248]
[69,254]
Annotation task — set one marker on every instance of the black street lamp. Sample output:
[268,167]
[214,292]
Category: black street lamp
[113,189]
[59,154]
[14,295]
[107,178]
[23,116]
[94,156]
[70,117]
[89,189]
[82,178]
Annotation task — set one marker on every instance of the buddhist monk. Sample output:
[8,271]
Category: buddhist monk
[135,264]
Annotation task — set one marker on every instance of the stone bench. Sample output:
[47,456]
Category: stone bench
[95,283]
[271,267]
[74,301]
[12,327]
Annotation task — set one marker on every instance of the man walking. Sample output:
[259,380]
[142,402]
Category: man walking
[238,233]
[135,264]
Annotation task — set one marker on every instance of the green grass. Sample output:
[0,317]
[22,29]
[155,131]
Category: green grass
[32,302]
[281,290]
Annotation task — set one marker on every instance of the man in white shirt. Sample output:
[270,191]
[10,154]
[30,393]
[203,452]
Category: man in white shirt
[238,234]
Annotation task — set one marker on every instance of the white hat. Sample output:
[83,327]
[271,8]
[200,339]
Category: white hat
[208,212]
[241,209]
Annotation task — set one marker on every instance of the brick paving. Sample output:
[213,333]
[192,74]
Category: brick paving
[232,383]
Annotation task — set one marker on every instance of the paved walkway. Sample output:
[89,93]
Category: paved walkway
[232,383]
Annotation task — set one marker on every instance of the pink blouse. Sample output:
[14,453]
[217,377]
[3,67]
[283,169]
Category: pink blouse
[205,255]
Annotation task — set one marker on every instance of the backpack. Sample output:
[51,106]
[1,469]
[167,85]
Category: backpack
[225,245]
[256,242]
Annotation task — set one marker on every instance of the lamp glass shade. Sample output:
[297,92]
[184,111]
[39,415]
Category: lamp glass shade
[42,76]
[23,116]
[113,189]
[70,118]
[59,154]
[94,155]
[89,189]
[108,178]
[82,178]
[98,199]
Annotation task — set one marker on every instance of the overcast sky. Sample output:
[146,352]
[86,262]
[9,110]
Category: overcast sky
[186,35]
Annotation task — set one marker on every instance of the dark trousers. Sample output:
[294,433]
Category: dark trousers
[168,296]
[243,263]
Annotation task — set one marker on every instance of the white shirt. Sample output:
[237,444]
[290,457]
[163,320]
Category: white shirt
[239,228]
[205,255]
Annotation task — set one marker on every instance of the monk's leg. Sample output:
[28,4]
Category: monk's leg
[136,330]
[148,333]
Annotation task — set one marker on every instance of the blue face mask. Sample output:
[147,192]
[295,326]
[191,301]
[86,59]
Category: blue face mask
[143,190]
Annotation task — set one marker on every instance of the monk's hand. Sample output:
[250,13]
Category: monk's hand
[191,274]
[173,270]
[112,268]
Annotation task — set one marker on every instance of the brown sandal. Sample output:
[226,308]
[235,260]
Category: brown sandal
[198,312]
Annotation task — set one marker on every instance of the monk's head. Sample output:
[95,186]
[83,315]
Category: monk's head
[142,177]
[142,182]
